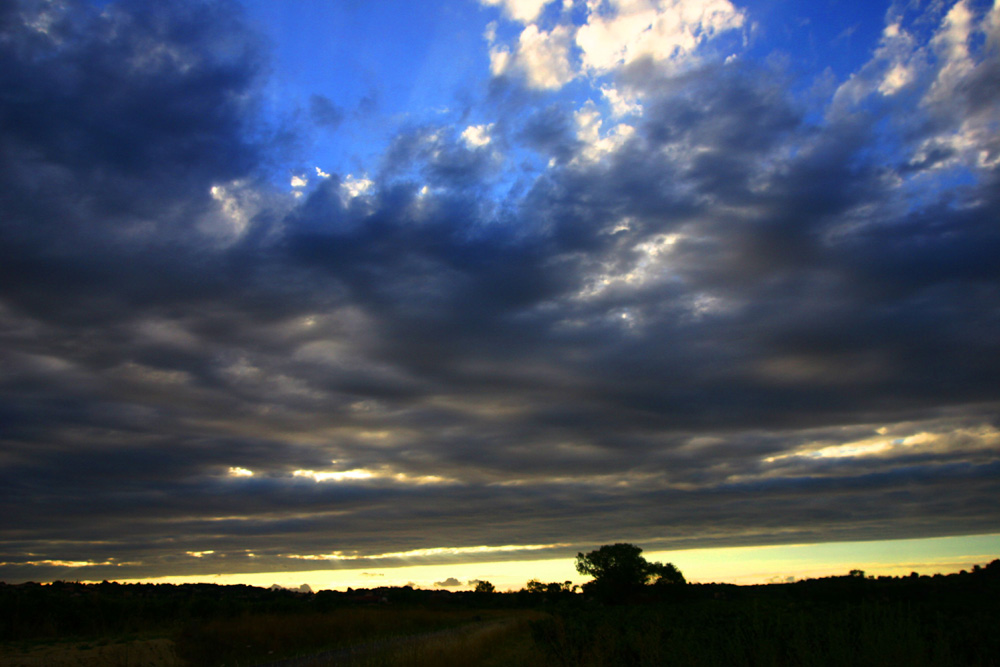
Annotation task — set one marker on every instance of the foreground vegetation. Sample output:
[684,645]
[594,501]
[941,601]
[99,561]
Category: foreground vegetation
[850,620]
[839,621]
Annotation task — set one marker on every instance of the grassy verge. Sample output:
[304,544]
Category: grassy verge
[126,651]
[261,638]
[764,633]
[506,642]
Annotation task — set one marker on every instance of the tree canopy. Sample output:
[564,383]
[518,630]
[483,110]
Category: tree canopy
[620,569]
[485,587]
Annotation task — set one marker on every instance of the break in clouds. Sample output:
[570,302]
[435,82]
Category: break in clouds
[644,287]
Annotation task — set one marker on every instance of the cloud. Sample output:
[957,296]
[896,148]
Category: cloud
[477,136]
[169,88]
[615,35]
[736,315]
[325,113]
[450,582]
[304,588]
[665,31]
[524,11]
[542,56]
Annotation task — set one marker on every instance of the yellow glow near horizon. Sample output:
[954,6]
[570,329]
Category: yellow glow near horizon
[505,575]
[766,564]
[738,565]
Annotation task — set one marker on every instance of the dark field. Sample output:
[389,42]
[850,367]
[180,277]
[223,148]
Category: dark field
[851,620]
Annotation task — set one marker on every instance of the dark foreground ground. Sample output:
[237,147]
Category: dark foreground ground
[852,620]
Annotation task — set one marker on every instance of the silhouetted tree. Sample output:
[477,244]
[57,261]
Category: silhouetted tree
[553,588]
[619,570]
[534,586]
[485,587]
[666,574]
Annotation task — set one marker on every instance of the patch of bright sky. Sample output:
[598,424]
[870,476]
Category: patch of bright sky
[837,34]
[386,65]
[739,565]
[395,64]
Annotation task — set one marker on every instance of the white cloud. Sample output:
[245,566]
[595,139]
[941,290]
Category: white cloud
[616,33]
[620,105]
[652,263]
[968,439]
[299,181]
[353,186]
[943,71]
[524,11]
[544,57]
[381,473]
[896,63]
[477,136]
[900,55]
[951,45]
[972,133]
[236,204]
[490,34]
[596,146]
[339,476]
[500,60]
[664,30]
[69,563]
[992,27]
[895,79]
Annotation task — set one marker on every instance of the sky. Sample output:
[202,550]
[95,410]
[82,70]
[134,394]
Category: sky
[341,292]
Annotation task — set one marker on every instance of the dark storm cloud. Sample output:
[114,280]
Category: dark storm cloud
[736,327]
[147,97]
[115,127]
[550,131]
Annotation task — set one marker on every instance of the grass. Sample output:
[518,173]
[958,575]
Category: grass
[504,642]
[252,639]
[915,621]
[750,632]
[148,651]
[764,633]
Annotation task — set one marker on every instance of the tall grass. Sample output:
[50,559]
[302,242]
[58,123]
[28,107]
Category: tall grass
[505,642]
[761,633]
[253,639]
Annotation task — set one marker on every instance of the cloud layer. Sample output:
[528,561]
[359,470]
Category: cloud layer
[710,302]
